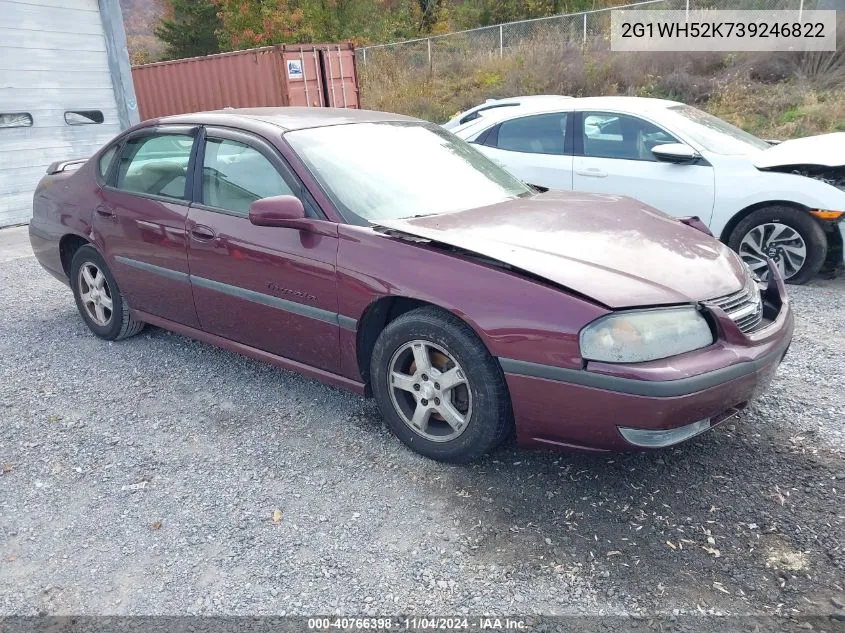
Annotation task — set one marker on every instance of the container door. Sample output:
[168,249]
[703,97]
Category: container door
[341,78]
[303,74]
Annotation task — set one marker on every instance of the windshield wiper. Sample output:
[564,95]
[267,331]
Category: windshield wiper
[419,215]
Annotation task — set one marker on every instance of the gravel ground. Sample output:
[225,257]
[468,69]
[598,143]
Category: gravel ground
[160,475]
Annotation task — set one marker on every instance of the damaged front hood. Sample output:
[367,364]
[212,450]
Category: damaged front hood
[612,249]
[826,150]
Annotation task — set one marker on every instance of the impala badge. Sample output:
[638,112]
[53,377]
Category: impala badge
[277,289]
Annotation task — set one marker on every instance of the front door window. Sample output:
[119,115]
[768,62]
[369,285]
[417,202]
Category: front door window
[234,175]
[611,135]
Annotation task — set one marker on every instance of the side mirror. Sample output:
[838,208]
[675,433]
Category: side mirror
[675,153]
[286,211]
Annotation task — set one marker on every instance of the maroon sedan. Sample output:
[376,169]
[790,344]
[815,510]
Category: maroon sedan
[382,254]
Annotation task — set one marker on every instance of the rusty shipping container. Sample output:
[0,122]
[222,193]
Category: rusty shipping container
[312,75]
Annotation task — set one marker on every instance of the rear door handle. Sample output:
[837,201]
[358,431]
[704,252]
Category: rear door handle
[591,172]
[203,233]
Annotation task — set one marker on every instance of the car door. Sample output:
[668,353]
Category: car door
[270,288]
[536,149]
[140,221]
[613,155]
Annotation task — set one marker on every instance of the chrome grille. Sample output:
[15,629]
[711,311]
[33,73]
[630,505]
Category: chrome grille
[745,308]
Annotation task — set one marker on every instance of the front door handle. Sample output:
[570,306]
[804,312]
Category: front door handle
[591,172]
[203,233]
[105,212]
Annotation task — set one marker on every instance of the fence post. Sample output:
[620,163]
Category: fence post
[585,28]
[501,42]
[364,51]
[428,41]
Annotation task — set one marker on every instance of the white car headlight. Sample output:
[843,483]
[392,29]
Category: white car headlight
[641,335]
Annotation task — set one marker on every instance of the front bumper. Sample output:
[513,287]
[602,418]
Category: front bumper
[662,402]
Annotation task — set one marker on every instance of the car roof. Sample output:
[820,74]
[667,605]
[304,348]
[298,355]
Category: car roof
[518,100]
[286,118]
[633,105]
[507,101]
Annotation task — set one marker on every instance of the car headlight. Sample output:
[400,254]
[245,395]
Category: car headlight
[641,335]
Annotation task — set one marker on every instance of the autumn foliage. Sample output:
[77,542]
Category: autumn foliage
[198,27]
[248,23]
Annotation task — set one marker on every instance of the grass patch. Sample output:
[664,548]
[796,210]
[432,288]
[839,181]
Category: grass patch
[781,95]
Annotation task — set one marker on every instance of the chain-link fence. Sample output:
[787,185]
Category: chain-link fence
[587,27]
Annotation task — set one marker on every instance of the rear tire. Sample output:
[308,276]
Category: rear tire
[782,233]
[98,298]
[454,406]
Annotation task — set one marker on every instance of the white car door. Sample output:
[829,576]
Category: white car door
[613,155]
[534,148]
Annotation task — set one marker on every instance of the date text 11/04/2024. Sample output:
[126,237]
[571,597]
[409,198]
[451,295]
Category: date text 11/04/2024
[417,624]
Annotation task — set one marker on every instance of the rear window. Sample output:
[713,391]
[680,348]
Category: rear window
[15,119]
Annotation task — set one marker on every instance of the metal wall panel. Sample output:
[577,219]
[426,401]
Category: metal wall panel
[52,59]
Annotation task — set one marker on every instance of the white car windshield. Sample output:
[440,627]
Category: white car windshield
[386,171]
[714,134]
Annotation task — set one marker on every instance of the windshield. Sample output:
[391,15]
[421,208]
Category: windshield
[386,171]
[714,134]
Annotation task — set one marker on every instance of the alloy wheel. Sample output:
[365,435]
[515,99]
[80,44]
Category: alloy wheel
[430,391]
[779,242]
[95,294]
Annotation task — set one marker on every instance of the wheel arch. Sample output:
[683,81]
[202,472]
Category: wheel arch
[744,213]
[68,245]
[377,316]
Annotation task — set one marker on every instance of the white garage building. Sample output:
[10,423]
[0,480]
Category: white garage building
[65,89]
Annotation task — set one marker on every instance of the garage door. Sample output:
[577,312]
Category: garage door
[57,99]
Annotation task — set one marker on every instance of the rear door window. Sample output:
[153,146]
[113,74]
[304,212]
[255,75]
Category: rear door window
[106,160]
[234,175]
[156,165]
[539,134]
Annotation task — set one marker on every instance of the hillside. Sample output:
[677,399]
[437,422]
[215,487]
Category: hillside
[140,18]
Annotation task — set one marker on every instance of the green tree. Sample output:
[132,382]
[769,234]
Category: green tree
[250,23]
[432,12]
[190,28]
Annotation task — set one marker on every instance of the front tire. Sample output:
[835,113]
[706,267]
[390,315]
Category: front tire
[789,236]
[98,298]
[439,389]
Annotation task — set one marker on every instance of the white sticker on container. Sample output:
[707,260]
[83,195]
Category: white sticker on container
[295,69]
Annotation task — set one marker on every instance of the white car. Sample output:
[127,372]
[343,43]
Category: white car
[783,201]
[491,104]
